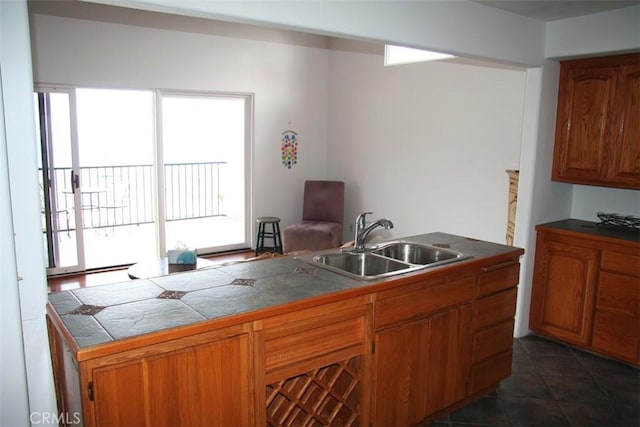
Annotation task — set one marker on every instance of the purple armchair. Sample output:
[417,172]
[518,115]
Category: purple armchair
[322,217]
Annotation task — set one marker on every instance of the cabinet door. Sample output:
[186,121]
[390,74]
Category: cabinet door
[206,384]
[597,138]
[564,283]
[585,108]
[624,165]
[421,367]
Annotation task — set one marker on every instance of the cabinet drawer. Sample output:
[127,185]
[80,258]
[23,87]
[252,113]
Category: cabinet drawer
[494,309]
[430,298]
[498,278]
[621,263]
[308,340]
[493,340]
[619,293]
[617,335]
[490,371]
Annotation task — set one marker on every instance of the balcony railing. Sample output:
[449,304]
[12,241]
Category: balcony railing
[123,195]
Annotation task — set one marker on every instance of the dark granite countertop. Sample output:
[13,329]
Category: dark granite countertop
[595,229]
[107,313]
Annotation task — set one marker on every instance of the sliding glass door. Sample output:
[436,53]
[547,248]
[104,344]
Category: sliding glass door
[134,173]
[57,169]
[204,151]
[116,130]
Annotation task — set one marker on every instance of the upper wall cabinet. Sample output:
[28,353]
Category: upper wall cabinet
[598,122]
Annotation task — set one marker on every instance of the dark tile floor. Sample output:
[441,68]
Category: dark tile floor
[556,385]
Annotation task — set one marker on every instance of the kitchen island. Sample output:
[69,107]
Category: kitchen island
[284,342]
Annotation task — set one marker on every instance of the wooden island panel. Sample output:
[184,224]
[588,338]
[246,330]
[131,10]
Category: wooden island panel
[438,346]
[174,389]
[312,338]
[396,352]
[315,365]
[421,367]
[204,379]
[418,299]
[493,320]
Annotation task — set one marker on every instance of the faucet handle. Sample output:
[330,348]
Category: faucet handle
[360,220]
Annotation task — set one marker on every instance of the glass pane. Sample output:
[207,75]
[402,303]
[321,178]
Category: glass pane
[55,151]
[115,146]
[204,152]
[61,143]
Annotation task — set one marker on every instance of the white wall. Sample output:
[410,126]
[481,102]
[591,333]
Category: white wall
[289,80]
[14,405]
[588,201]
[426,144]
[23,328]
[540,200]
[598,34]
[459,27]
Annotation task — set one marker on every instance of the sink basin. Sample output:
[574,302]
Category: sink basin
[415,253]
[361,264]
[385,260]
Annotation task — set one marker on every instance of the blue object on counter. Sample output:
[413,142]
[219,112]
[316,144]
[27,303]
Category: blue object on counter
[181,256]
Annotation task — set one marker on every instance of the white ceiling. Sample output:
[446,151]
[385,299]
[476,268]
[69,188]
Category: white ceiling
[549,10]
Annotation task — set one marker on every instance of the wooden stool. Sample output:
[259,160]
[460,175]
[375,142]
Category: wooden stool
[274,234]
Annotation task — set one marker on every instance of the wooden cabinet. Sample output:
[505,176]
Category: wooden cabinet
[315,365]
[564,284]
[422,342]
[597,138]
[203,379]
[309,364]
[616,329]
[586,292]
[493,319]
[421,367]
[624,163]
[440,342]
[397,353]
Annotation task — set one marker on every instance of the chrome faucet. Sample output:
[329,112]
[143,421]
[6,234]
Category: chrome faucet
[362,231]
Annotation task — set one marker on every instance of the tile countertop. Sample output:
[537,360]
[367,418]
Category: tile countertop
[108,313]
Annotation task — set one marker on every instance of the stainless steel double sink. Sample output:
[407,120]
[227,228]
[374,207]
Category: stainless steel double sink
[385,260]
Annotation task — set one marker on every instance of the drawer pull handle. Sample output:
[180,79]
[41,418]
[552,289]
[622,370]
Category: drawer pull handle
[499,266]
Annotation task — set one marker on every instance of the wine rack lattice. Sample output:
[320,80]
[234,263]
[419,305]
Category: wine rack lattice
[328,396]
